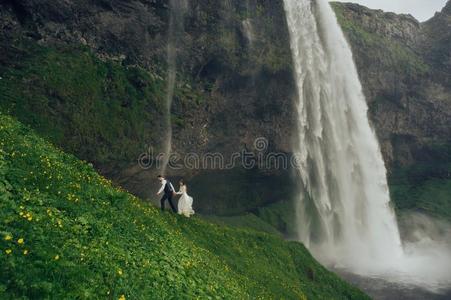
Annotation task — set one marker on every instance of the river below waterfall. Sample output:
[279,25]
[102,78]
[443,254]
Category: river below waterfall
[380,289]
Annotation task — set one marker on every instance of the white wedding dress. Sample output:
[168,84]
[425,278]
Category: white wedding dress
[185,205]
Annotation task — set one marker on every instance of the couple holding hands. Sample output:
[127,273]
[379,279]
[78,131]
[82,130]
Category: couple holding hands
[185,203]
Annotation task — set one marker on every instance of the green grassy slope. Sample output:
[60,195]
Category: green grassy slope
[66,232]
[432,196]
[425,186]
[248,220]
[277,218]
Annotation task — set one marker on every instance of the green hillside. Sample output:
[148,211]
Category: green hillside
[68,233]
[425,187]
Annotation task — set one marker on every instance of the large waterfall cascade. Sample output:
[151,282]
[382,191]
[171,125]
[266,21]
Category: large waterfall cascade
[344,213]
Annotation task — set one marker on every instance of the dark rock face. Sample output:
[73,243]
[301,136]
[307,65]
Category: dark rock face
[233,58]
[435,44]
[231,53]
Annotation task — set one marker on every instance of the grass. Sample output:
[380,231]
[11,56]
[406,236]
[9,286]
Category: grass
[431,196]
[248,220]
[276,218]
[424,187]
[68,233]
[281,215]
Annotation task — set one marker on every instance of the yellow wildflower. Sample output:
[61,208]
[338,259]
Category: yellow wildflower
[57,257]
[20,241]
[122,297]
[8,251]
[8,237]
[119,272]
[25,252]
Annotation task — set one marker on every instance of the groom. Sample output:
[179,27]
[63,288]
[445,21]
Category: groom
[168,189]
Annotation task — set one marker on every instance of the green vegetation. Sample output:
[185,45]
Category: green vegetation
[431,196]
[425,186]
[276,218]
[100,110]
[281,215]
[261,257]
[248,220]
[66,232]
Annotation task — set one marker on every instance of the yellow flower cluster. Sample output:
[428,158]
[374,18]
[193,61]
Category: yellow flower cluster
[105,182]
[76,186]
[20,242]
[25,215]
[45,161]
[122,297]
[72,197]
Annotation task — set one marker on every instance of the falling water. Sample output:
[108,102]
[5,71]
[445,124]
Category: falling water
[344,213]
[248,26]
[177,11]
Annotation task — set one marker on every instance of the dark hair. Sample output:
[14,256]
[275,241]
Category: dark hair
[159,176]
[182,181]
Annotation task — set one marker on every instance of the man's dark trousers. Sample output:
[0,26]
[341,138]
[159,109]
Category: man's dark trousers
[167,196]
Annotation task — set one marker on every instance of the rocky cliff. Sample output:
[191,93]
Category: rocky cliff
[101,66]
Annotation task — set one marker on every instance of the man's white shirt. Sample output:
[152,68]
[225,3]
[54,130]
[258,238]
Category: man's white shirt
[163,184]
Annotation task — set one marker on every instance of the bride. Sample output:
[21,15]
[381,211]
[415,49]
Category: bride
[185,205]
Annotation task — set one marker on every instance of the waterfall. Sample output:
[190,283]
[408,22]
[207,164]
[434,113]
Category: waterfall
[343,212]
[177,11]
[248,26]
